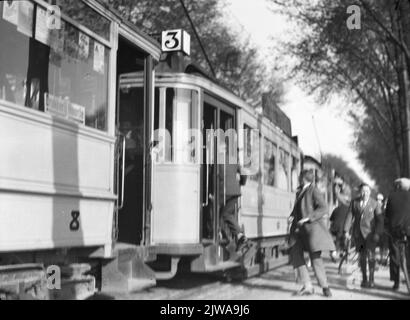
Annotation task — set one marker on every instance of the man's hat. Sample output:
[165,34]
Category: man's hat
[402,183]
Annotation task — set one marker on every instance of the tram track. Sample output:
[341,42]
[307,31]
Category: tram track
[276,284]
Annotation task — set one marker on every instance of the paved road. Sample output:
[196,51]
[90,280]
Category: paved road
[278,284]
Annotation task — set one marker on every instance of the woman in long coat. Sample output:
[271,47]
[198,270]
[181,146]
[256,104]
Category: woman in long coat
[309,233]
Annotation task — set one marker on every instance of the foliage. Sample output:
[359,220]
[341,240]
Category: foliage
[370,67]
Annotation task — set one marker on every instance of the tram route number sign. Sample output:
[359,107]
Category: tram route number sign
[176,40]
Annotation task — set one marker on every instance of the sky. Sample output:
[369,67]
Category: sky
[319,128]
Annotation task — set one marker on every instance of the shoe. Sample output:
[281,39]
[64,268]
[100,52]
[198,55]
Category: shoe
[365,284]
[304,292]
[326,292]
[242,242]
[224,242]
[371,284]
[396,285]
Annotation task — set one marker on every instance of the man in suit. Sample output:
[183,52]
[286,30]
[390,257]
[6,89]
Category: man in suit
[338,217]
[308,232]
[398,223]
[231,179]
[365,217]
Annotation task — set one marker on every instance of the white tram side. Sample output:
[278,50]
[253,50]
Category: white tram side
[58,170]
[187,192]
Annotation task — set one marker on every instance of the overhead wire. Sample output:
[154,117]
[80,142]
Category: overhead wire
[198,38]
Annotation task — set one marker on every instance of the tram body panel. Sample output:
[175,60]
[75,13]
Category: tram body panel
[175,214]
[53,156]
[272,219]
[250,198]
[49,173]
[49,222]
[266,205]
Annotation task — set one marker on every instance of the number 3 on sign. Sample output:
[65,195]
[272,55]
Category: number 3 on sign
[175,40]
[172,40]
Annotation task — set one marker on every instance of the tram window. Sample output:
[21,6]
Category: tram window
[169,123]
[251,150]
[61,71]
[269,163]
[283,176]
[294,174]
[156,109]
[181,115]
[13,58]
[131,119]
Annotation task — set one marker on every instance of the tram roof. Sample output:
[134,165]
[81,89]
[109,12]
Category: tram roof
[135,79]
[153,44]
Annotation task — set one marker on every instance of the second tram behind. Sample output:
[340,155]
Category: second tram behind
[187,181]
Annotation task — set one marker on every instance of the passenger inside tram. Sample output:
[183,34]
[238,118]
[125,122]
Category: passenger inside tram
[231,180]
[132,128]
[56,74]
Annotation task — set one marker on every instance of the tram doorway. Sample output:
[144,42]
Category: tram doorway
[209,172]
[130,161]
[218,121]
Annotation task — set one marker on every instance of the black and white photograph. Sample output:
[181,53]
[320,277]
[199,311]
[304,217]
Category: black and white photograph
[205,154]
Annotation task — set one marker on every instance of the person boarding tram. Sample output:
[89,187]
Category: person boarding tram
[231,180]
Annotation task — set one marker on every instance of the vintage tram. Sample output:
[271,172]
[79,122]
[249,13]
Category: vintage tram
[187,180]
[59,63]
[87,184]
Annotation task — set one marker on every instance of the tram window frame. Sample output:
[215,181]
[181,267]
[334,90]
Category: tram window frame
[172,153]
[156,108]
[133,127]
[45,69]
[267,169]
[284,158]
[251,141]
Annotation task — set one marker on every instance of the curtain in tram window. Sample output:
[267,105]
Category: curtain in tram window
[283,173]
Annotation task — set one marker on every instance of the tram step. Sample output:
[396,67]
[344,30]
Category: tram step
[127,272]
[248,271]
[221,266]
[75,270]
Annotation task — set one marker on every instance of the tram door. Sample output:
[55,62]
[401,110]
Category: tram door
[217,144]
[209,172]
[130,130]
[227,153]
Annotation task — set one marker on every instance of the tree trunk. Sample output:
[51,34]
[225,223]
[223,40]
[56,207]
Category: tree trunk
[404,23]
[405,108]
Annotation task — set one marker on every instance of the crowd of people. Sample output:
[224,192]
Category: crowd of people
[362,222]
